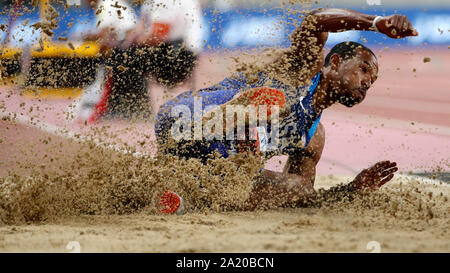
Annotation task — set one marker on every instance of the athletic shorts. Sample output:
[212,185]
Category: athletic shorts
[201,149]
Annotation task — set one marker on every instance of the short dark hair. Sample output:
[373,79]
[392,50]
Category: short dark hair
[346,50]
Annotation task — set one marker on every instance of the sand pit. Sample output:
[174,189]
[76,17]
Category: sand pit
[114,211]
[401,224]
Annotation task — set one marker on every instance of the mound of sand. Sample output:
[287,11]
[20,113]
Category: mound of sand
[406,216]
[107,201]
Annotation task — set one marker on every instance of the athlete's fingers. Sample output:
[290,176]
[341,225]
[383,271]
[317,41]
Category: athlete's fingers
[397,32]
[408,22]
[381,164]
[392,164]
[386,164]
[389,165]
[395,23]
[409,25]
[411,30]
[401,21]
[388,172]
[385,168]
[388,22]
[385,180]
[405,24]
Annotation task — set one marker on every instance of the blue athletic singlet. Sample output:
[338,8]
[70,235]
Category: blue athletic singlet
[295,130]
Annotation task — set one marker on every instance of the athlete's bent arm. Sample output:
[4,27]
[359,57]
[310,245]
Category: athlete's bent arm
[295,185]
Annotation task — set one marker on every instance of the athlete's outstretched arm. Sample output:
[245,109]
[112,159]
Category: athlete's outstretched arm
[320,21]
[337,20]
[310,37]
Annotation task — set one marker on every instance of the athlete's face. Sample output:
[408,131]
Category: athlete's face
[355,76]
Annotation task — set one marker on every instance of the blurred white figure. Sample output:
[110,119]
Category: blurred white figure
[114,18]
[222,5]
[179,19]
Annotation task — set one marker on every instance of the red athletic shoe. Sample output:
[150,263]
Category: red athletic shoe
[171,203]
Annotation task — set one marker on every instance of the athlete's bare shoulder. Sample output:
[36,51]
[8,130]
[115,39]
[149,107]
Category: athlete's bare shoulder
[290,70]
[303,60]
[258,61]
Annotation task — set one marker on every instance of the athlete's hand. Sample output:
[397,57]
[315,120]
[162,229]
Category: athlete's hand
[376,176]
[396,26]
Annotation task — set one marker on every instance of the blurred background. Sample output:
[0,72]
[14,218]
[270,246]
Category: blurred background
[225,24]
[233,24]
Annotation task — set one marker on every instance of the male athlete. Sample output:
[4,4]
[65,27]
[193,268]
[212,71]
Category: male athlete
[302,83]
